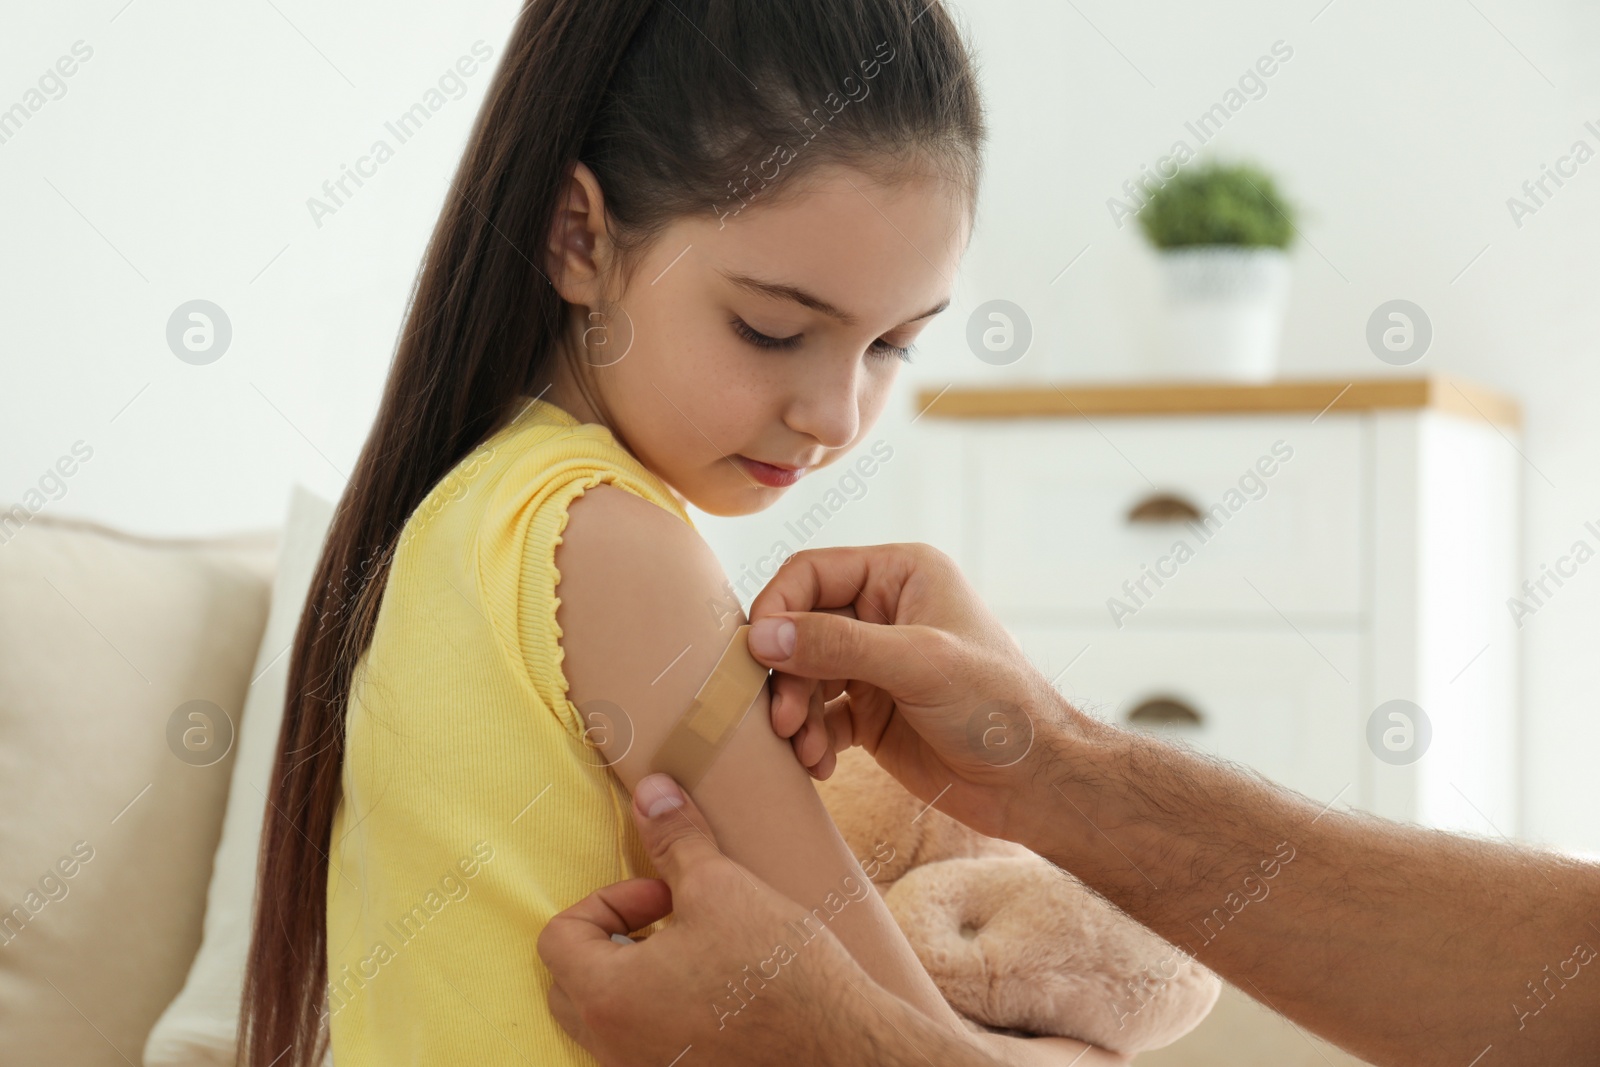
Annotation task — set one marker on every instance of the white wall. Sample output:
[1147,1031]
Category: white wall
[178,163]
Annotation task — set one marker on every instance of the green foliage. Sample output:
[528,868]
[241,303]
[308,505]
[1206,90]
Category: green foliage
[1218,204]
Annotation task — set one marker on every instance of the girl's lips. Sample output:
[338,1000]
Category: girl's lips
[768,475]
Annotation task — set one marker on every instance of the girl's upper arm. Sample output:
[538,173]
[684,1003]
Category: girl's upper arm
[645,613]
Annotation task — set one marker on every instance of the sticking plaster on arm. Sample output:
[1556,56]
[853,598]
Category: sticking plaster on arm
[713,717]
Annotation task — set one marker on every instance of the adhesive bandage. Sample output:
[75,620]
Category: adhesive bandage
[715,714]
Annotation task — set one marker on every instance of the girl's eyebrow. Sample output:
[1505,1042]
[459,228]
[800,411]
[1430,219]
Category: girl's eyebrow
[799,296]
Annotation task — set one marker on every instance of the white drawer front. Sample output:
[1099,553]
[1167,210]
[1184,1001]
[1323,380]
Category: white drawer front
[1267,699]
[1283,503]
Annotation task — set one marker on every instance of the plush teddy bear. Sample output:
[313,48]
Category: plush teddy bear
[1013,942]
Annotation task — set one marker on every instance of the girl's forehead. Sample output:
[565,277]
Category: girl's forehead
[842,232]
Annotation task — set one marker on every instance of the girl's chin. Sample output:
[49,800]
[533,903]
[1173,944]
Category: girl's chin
[740,499]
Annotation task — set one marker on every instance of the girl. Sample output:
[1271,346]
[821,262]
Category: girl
[687,249]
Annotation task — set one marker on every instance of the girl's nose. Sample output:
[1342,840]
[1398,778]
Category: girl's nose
[826,406]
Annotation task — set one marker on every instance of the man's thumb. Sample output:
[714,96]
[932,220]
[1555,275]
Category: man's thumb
[675,833]
[816,644]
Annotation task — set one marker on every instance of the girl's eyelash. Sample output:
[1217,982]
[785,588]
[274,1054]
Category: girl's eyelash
[761,340]
[886,349]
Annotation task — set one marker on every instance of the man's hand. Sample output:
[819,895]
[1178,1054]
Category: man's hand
[715,977]
[1400,944]
[943,660]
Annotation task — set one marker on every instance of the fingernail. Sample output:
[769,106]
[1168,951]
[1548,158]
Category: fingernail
[658,793]
[773,638]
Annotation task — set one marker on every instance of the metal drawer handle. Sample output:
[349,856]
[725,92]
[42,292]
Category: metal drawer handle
[1164,507]
[1165,712]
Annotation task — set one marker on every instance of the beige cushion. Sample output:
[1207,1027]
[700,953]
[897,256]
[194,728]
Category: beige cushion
[106,834]
[199,1026]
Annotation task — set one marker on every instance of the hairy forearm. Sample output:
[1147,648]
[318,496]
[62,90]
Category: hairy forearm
[1400,944]
[896,1034]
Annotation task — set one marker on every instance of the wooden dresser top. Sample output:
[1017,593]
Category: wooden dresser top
[1077,400]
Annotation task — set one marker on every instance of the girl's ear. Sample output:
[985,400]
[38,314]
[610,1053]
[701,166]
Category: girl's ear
[579,245]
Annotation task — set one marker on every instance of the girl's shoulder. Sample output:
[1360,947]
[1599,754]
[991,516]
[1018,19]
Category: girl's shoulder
[513,507]
[545,455]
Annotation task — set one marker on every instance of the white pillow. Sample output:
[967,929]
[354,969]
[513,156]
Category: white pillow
[199,1026]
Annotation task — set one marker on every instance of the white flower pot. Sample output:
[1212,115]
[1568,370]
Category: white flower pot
[1225,308]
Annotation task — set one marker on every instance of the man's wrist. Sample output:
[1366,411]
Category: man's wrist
[846,1019]
[1088,791]
[900,1035]
[1068,748]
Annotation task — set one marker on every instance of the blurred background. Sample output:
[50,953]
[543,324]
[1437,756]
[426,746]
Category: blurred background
[185,157]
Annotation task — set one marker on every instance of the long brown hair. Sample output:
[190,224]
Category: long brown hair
[678,107]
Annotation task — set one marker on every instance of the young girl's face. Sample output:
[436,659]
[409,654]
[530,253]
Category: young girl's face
[843,272]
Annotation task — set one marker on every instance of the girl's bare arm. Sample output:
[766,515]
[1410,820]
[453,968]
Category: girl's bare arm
[646,612]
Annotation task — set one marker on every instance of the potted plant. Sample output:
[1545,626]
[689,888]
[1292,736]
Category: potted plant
[1221,231]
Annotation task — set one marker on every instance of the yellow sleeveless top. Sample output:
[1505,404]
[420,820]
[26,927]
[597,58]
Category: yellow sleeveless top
[472,811]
